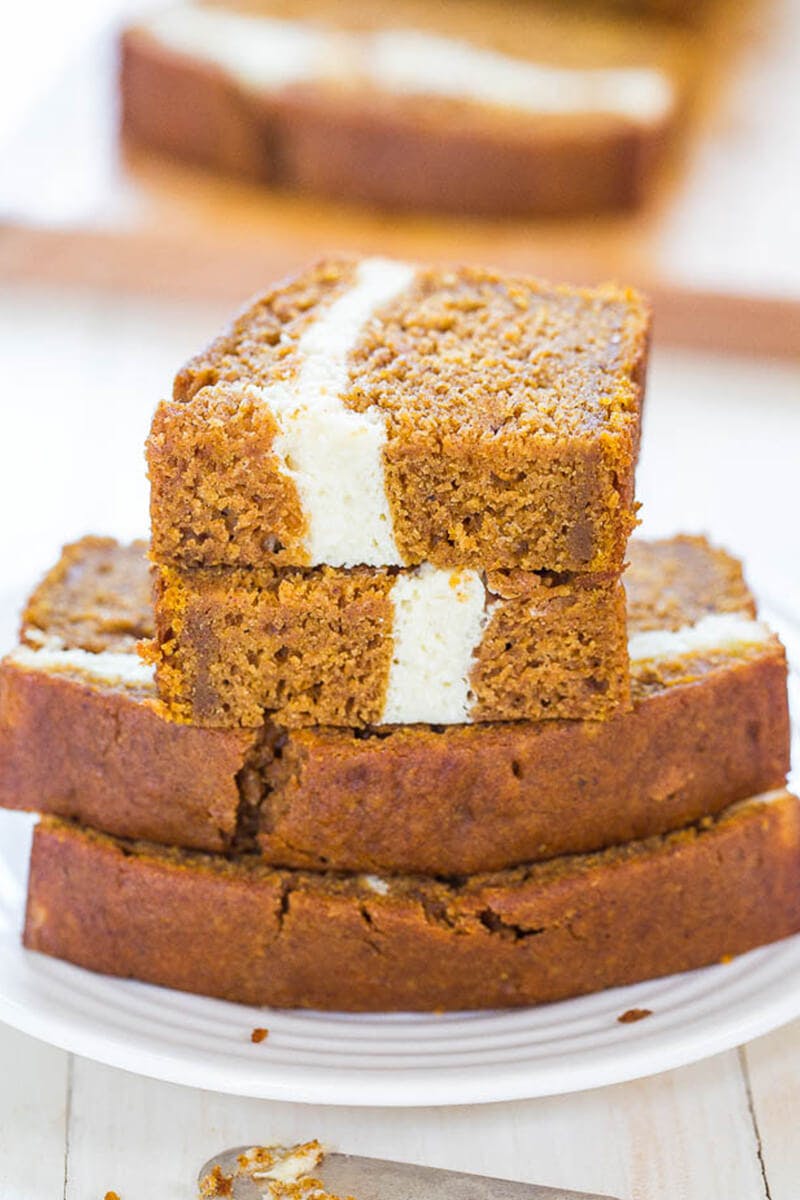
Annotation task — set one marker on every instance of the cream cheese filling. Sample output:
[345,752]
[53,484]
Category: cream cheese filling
[376,884]
[269,53]
[118,668]
[333,454]
[416,63]
[291,1164]
[713,632]
[285,1173]
[260,51]
[439,621]
[762,798]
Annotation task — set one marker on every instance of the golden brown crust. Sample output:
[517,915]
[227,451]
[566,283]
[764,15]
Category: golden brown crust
[482,798]
[434,801]
[512,409]
[189,110]
[407,152]
[242,932]
[689,11]
[607,164]
[314,646]
[111,759]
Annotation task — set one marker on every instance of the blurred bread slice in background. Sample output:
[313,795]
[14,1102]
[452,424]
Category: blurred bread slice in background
[473,107]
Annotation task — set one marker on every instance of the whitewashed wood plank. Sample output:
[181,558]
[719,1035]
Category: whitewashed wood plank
[772,1065]
[686,1135]
[34,1080]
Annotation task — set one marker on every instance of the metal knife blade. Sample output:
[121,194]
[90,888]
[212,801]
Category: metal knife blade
[379,1179]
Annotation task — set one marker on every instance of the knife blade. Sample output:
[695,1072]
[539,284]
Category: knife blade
[380,1179]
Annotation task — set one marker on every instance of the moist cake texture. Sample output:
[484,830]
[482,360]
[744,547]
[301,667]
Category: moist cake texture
[371,646]
[536,934]
[96,598]
[375,413]
[709,726]
[456,108]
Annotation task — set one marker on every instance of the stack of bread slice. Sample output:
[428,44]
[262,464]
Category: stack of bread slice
[373,723]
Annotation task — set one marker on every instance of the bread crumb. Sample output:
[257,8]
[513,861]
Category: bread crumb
[259,1034]
[284,1172]
[634,1014]
[216,1183]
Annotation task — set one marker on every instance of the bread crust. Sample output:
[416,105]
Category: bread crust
[242,932]
[110,758]
[189,110]
[483,168]
[485,798]
[417,799]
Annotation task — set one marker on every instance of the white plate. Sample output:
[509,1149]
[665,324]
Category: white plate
[388,1060]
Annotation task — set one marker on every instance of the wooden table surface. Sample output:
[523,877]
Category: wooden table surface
[724,1129]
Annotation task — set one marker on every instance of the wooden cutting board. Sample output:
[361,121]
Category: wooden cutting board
[718,246]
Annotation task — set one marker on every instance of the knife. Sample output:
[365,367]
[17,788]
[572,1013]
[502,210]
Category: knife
[348,1175]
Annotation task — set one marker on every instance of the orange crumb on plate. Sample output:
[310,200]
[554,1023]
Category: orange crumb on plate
[634,1014]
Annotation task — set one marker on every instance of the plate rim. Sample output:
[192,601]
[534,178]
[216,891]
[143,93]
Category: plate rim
[430,1086]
